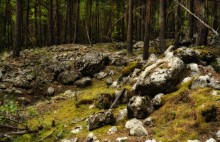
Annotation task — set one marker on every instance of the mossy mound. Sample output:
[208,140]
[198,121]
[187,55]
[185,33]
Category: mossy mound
[186,114]
[130,68]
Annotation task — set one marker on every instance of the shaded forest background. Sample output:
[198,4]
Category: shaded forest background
[54,22]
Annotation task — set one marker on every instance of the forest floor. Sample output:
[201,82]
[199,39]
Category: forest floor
[178,119]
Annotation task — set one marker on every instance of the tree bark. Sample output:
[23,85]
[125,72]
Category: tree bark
[130,28]
[51,24]
[202,29]
[147,30]
[162,42]
[191,20]
[177,26]
[17,40]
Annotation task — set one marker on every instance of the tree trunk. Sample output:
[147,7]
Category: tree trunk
[51,27]
[58,32]
[191,20]
[202,30]
[75,40]
[177,26]
[162,42]
[215,12]
[17,36]
[147,30]
[27,24]
[130,28]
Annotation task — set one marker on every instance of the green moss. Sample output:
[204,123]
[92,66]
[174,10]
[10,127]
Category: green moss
[130,68]
[24,138]
[184,114]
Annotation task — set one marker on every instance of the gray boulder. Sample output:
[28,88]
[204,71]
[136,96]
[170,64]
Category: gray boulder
[22,82]
[84,82]
[91,63]
[160,77]
[50,91]
[156,101]
[105,101]
[101,119]
[68,77]
[133,122]
[210,140]
[191,55]
[205,81]
[139,107]
[112,130]
[91,138]
[148,121]
[138,130]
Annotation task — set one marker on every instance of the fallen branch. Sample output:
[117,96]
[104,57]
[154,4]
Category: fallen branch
[214,31]
[117,98]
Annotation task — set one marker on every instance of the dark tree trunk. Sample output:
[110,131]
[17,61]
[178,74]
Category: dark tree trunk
[17,36]
[130,28]
[191,20]
[215,12]
[51,24]
[36,30]
[177,26]
[75,40]
[202,30]
[162,42]
[27,24]
[58,31]
[147,30]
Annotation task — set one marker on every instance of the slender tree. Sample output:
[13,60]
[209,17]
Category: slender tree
[51,24]
[130,28]
[147,30]
[162,19]
[17,36]
[191,20]
[202,29]
[177,25]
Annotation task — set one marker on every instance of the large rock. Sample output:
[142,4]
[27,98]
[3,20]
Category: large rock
[139,107]
[68,77]
[105,101]
[101,119]
[91,63]
[191,55]
[160,77]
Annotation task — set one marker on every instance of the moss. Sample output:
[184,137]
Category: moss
[24,138]
[130,68]
[184,114]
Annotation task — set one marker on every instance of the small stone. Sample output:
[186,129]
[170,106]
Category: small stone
[3,86]
[114,84]
[187,79]
[76,130]
[91,137]
[133,122]
[218,134]
[210,140]
[92,106]
[71,140]
[50,91]
[138,130]
[112,130]
[193,141]
[153,140]
[83,82]
[100,75]
[122,114]
[69,93]
[149,121]
[156,101]
[121,139]
[109,81]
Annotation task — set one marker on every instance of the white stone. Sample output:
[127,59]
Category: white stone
[194,69]
[153,140]
[112,130]
[69,93]
[121,139]
[133,122]
[187,79]
[122,114]
[210,140]
[50,91]
[200,82]
[148,121]
[157,99]
[71,140]
[138,130]
[76,130]
[193,141]
[218,134]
